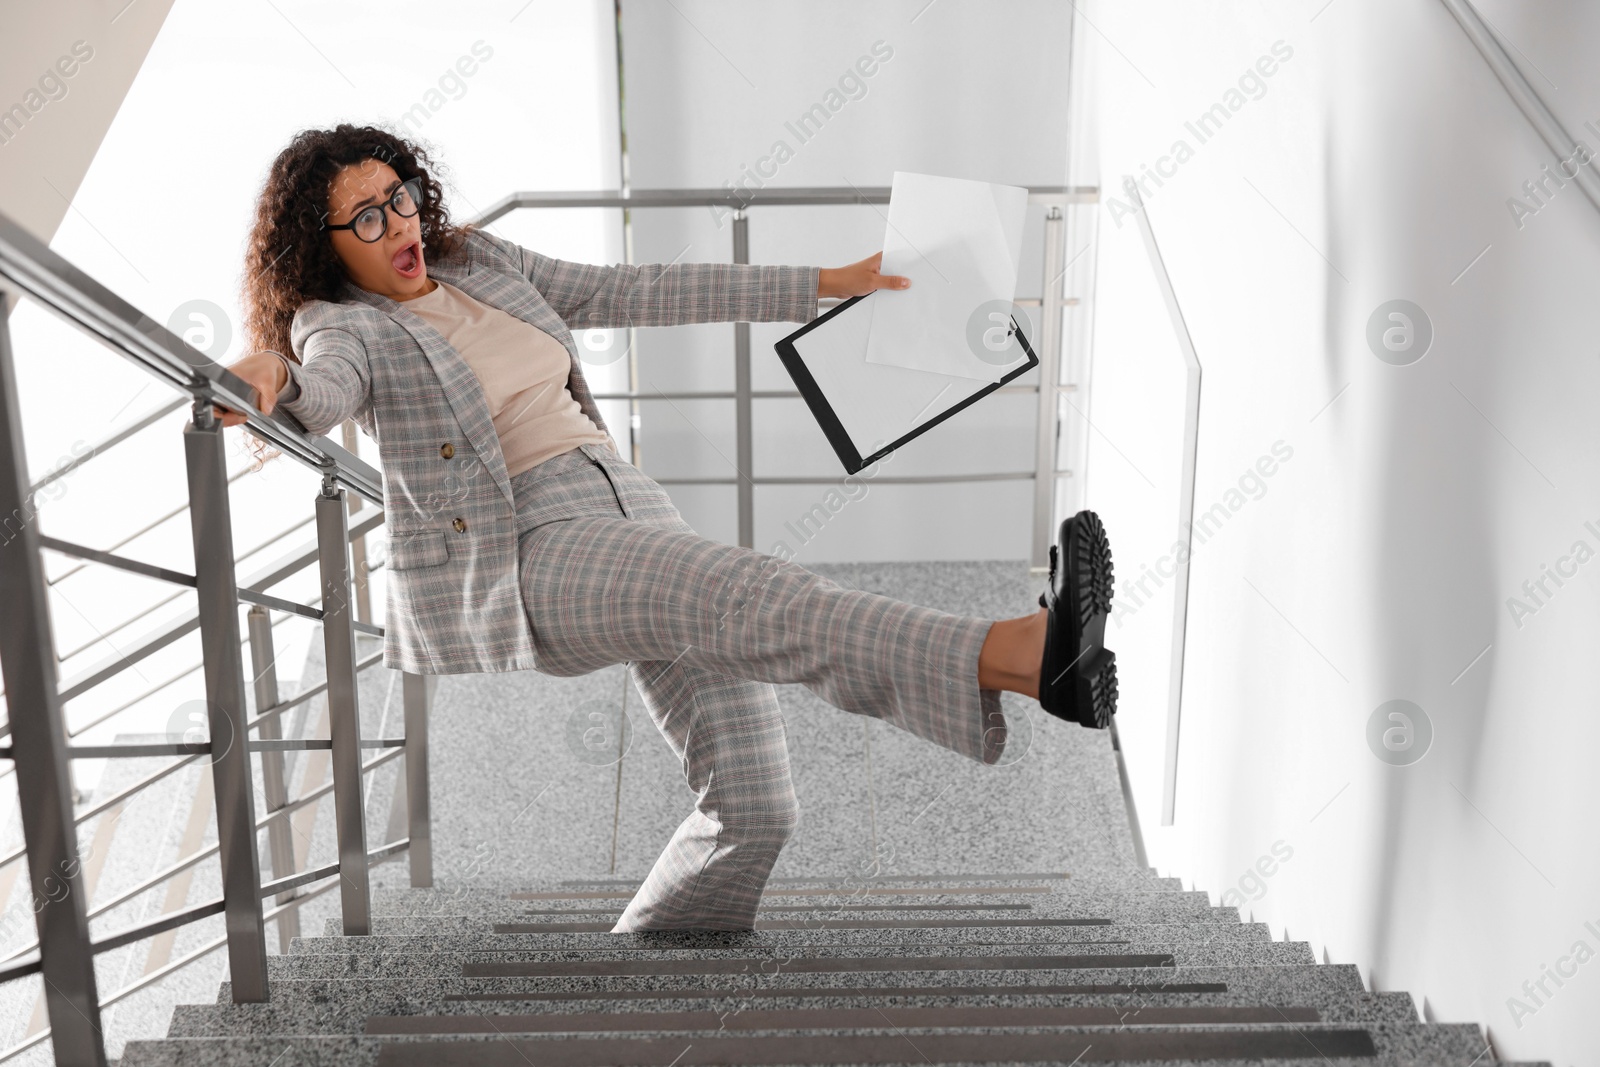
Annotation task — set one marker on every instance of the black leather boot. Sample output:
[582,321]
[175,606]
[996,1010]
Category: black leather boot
[1078,675]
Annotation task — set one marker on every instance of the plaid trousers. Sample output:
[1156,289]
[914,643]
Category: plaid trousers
[611,573]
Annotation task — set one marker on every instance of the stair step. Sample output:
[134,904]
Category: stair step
[1050,881]
[1247,984]
[541,938]
[1229,1046]
[828,1019]
[343,1015]
[986,876]
[480,915]
[903,1045]
[860,893]
[1061,905]
[886,886]
[600,927]
[534,963]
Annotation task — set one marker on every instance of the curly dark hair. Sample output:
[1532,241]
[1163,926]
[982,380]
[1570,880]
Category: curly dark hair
[289,259]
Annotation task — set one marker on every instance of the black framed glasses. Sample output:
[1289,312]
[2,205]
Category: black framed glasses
[372,221]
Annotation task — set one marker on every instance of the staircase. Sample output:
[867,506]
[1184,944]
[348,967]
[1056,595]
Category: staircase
[864,952]
[990,968]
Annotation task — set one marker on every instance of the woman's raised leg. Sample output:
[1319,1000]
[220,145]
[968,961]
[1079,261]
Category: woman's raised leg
[610,590]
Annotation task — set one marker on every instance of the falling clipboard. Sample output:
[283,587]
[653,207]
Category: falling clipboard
[868,410]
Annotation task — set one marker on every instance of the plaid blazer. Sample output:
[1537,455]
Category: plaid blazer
[454,601]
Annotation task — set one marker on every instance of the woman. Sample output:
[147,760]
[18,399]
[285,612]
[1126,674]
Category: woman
[520,539]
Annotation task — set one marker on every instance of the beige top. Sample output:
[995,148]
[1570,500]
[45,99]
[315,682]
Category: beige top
[523,372]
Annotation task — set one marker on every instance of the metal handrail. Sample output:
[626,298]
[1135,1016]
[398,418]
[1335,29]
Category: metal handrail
[38,735]
[50,279]
[739,200]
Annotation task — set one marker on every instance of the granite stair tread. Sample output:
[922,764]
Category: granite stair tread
[1288,980]
[335,1014]
[1375,1045]
[1147,973]
[815,959]
[452,989]
[784,939]
[1159,908]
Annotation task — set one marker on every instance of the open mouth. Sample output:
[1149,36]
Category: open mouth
[408,261]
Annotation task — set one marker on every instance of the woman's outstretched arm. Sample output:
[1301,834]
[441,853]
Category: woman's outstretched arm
[331,382]
[588,295]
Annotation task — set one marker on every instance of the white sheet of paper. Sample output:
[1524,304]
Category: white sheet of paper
[876,404]
[960,243]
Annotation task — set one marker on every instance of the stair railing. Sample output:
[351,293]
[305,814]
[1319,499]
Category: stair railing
[39,747]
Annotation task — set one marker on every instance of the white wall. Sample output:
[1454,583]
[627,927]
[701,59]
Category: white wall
[64,69]
[963,89]
[1375,563]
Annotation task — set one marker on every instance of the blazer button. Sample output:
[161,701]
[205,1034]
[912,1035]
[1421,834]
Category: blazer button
[447,450]
[460,524]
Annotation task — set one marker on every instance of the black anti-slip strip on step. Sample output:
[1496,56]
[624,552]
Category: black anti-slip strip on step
[803,993]
[816,924]
[882,890]
[901,907]
[808,965]
[613,911]
[1015,876]
[831,1019]
[910,1049]
[678,944]
[812,907]
[1028,877]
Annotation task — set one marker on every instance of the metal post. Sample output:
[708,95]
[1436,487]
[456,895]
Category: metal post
[211,523]
[417,690]
[344,713]
[39,749]
[744,451]
[358,546]
[280,837]
[1049,415]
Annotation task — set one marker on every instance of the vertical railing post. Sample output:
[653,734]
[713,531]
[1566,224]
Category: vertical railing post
[39,751]
[358,546]
[344,712]
[274,788]
[417,692]
[1049,415]
[744,450]
[211,523]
